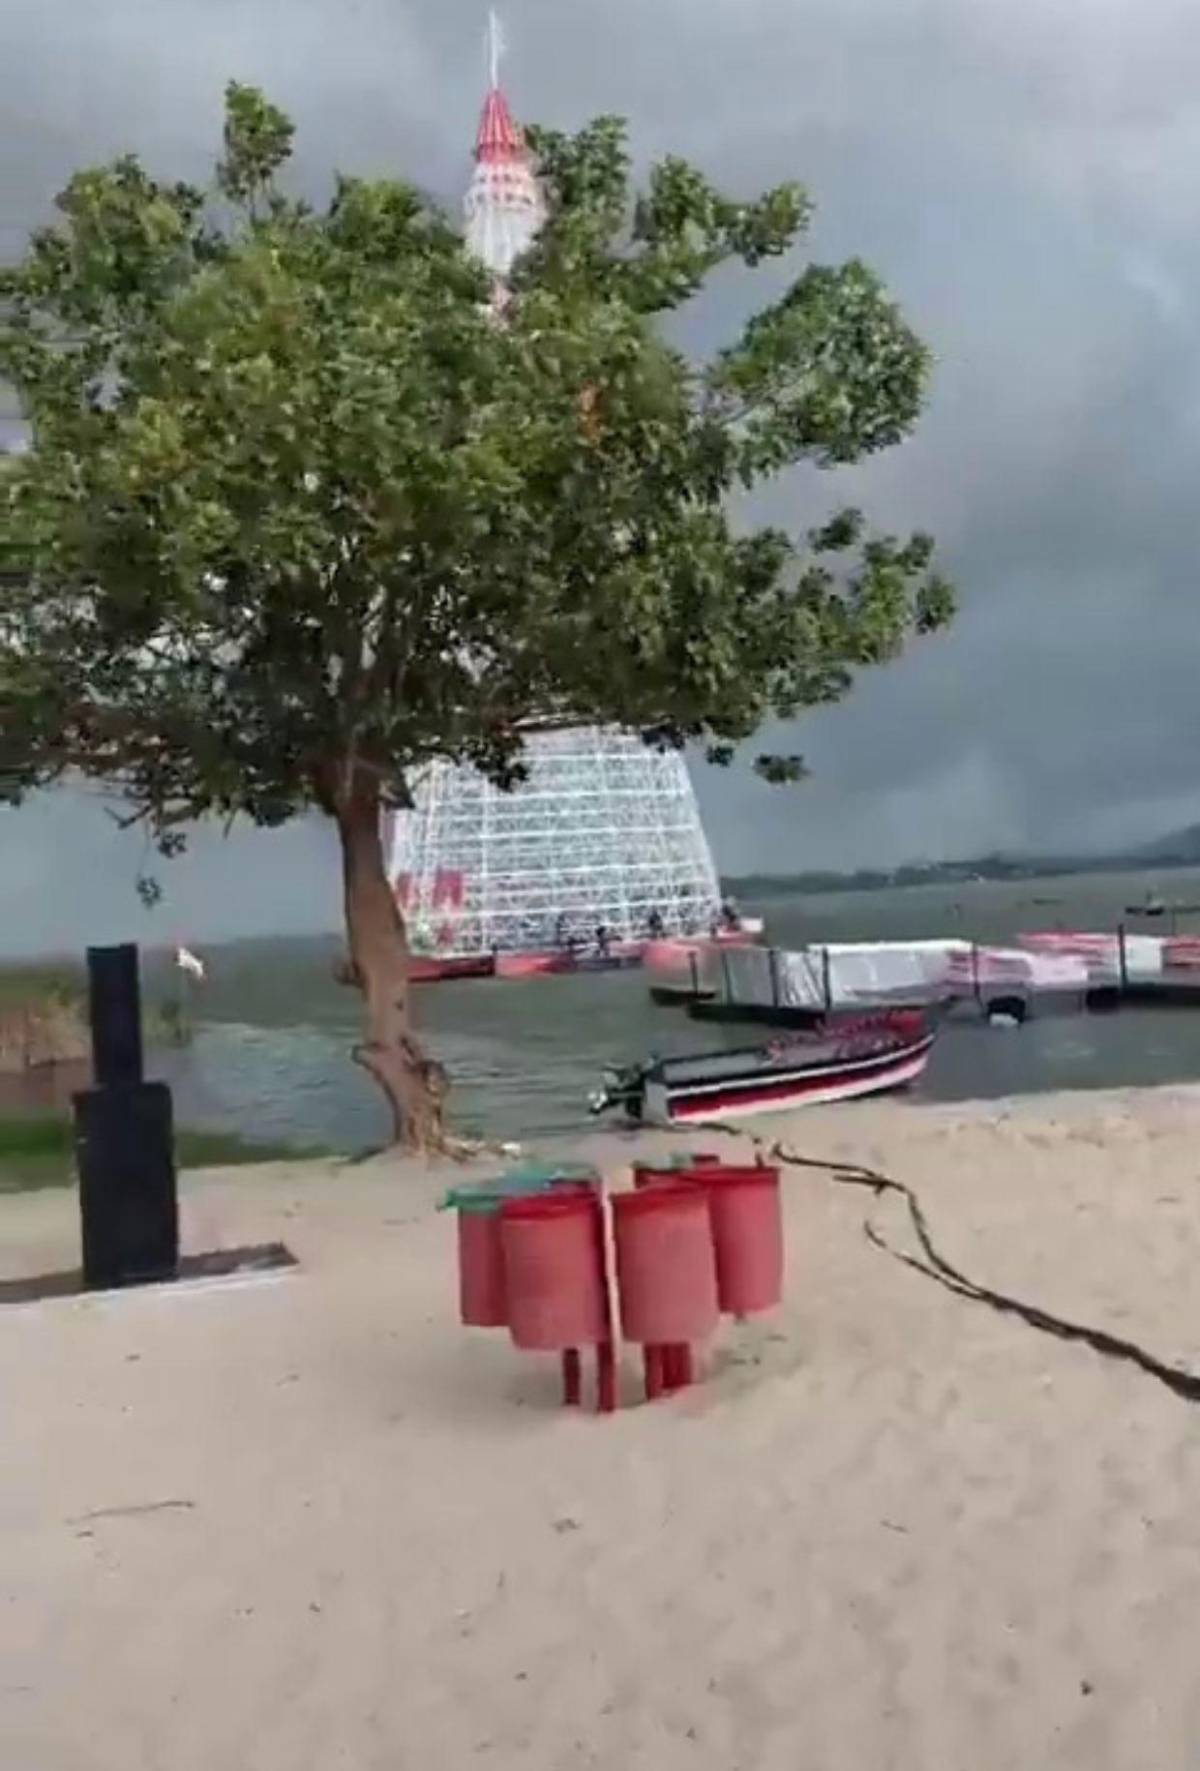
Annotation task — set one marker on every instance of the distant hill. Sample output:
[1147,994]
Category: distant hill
[1179,849]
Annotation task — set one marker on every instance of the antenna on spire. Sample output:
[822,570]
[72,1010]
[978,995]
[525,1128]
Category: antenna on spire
[495,45]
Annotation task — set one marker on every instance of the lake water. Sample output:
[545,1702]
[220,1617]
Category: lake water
[271,1056]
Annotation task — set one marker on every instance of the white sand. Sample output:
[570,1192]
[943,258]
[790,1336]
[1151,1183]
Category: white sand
[892,1529]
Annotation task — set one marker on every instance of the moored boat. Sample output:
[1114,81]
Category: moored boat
[526,965]
[439,968]
[873,1055]
[555,962]
[603,962]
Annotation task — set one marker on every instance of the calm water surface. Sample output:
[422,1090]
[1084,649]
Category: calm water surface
[271,1057]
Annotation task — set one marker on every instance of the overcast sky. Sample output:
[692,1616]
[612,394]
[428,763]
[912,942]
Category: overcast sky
[1023,172]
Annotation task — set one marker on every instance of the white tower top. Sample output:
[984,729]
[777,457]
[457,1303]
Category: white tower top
[504,206]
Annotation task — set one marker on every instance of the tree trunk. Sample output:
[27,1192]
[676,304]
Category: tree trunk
[415,1085]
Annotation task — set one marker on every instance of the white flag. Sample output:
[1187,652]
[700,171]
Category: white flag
[187,961]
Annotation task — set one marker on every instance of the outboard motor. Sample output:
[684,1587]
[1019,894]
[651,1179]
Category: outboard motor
[1006,1011]
[623,1088]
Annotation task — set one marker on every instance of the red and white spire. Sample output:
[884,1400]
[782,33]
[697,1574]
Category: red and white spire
[500,142]
[504,205]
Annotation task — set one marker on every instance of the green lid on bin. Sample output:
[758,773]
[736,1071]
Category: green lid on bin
[532,1175]
[516,1183]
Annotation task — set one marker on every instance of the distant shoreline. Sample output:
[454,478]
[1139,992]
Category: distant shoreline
[946,873]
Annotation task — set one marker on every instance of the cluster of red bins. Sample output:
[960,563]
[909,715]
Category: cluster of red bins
[689,1243]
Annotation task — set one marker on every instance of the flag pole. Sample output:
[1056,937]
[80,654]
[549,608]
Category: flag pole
[183,1001]
[495,42]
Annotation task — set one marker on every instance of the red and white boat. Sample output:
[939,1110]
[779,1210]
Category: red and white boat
[874,1055]
[555,962]
[439,968]
[526,965]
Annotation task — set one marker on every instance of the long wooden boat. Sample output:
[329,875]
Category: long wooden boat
[432,968]
[871,1056]
[556,962]
[600,962]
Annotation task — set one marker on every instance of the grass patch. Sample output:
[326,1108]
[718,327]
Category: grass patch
[20,984]
[59,985]
[38,1151]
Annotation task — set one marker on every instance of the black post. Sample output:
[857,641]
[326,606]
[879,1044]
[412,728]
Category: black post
[116,1015]
[123,1139]
[1123,956]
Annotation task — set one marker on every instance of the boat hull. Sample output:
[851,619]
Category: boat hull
[607,962]
[761,1093]
[428,968]
[869,1056]
[558,964]
[525,965]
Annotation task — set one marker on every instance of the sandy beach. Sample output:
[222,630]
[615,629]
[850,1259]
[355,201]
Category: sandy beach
[308,1521]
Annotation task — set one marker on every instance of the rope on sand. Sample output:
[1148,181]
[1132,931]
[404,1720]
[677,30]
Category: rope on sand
[936,1267]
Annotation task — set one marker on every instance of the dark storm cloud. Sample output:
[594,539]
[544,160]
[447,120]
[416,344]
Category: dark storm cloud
[1021,171]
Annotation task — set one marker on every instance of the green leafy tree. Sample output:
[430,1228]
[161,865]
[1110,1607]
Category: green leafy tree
[300,514]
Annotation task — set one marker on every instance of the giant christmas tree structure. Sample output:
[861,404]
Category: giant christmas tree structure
[604,834]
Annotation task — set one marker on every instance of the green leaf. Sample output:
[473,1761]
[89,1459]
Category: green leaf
[258,141]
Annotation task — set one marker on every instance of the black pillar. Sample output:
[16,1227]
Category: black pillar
[116,1015]
[123,1139]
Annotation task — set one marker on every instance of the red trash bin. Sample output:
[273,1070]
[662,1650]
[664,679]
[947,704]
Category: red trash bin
[646,1174]
[481,1291]
[654,1174]
[553,1270]
[747,1227]
[669,1367]
[666,1268]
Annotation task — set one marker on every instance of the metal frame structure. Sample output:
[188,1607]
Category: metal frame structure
[604,832]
